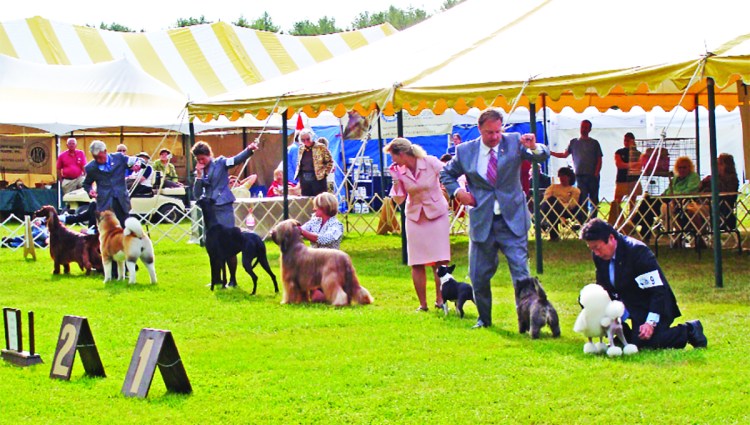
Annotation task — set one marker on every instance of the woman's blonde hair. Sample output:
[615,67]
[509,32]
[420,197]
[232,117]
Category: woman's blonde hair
[684,160]
[327,202]
[401,145]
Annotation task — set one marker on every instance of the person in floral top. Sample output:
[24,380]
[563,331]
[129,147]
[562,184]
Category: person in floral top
[324,230]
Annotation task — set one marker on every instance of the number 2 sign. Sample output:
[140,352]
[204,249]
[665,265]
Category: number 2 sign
[75,334]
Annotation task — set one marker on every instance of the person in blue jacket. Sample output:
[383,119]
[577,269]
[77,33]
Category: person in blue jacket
[627,269]
[108,172]
[212,178]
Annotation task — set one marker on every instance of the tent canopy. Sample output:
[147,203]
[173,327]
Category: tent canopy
[198,61]
[60,99]
[486,52]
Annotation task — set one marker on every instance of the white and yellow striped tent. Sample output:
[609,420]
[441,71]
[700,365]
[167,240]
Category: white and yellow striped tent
[199,61]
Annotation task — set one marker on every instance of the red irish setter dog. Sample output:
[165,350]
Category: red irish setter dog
[67,246]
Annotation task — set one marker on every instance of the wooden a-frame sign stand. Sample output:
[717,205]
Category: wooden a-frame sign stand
[13,351]
[155,347]
[75,335]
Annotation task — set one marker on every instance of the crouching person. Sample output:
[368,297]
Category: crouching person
[628,270]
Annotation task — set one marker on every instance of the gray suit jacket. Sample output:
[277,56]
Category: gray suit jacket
[507,191]
[215,182]
[110,181]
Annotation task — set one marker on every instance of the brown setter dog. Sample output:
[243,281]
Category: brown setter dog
[306,270]
[67,246]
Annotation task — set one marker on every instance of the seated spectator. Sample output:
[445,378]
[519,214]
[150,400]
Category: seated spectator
[728,186]
[241,188]
[324,230]
[86,217]
[684,182]
[560,201]
[166,170]
[143,181]
[277,187]
[39,234]
[455,141]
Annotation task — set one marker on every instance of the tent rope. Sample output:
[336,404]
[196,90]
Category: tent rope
[657,150]
[262,130]
[514,105]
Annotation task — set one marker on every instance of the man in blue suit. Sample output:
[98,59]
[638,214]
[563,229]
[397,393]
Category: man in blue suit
[108,171]
[627,269]
[499,219]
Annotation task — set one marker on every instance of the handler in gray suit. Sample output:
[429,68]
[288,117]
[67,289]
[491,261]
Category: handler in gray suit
[499,218]
[212,178]
[108,171]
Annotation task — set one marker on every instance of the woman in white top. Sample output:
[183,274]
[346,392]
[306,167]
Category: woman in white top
[324,230]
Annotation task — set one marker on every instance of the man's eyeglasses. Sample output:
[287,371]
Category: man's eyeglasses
[122,150]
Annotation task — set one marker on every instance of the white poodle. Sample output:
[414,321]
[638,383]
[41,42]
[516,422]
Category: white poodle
[601,316]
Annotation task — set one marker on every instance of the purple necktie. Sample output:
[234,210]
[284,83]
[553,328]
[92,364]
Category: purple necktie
[492,168]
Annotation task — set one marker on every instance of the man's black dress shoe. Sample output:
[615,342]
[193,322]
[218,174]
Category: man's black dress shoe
[695,336]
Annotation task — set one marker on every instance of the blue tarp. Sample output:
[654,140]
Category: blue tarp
[434,145]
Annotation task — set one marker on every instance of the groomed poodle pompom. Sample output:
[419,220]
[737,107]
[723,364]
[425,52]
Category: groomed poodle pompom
[601,317]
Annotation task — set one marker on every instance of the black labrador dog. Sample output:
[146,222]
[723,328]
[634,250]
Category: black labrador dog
[452,290]
[223,243]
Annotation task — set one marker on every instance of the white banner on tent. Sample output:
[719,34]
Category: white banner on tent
[424,124]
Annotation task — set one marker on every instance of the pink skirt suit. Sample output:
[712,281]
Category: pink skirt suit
[427,218]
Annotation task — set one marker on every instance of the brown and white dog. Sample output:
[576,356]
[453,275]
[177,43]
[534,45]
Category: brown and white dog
[67,246]
[306,270]
[124,246]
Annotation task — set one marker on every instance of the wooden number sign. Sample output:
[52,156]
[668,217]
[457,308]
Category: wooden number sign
[12,320]
[13,351]
[75,334]
[155,347]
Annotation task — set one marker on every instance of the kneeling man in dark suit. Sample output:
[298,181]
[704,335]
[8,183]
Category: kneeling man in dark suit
[628,270]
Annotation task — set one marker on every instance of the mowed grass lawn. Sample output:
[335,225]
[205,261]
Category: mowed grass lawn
[252,360]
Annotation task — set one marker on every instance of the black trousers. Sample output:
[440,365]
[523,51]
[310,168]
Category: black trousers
[313,187]
[664,336]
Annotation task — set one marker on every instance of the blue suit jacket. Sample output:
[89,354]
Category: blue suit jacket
[640,295]
[110,180]
[215,182]
[507,190]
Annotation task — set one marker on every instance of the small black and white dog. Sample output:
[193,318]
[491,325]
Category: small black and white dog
[452,290]
[533,309]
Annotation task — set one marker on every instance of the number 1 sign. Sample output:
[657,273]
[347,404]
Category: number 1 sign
[155,347]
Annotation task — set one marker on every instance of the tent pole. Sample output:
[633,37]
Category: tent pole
[59,180]
[345,180]
[244,146]
[535,183]
[382,158]
[744,103]
[285,161]
[190,178]
[697,137]
[544,166]
[404,252]
[714,183]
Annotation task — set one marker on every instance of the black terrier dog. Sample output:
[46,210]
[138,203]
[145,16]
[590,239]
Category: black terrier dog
[223,243]
[452,290]
[533,309]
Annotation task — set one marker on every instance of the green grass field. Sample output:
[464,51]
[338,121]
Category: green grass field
[252,360]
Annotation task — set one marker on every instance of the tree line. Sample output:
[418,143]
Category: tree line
[399,18]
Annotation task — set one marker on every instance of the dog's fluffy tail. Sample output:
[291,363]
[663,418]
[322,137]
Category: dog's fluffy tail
[133,226]
[354,290]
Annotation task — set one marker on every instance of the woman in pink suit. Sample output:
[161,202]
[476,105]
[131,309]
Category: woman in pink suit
[416,178]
